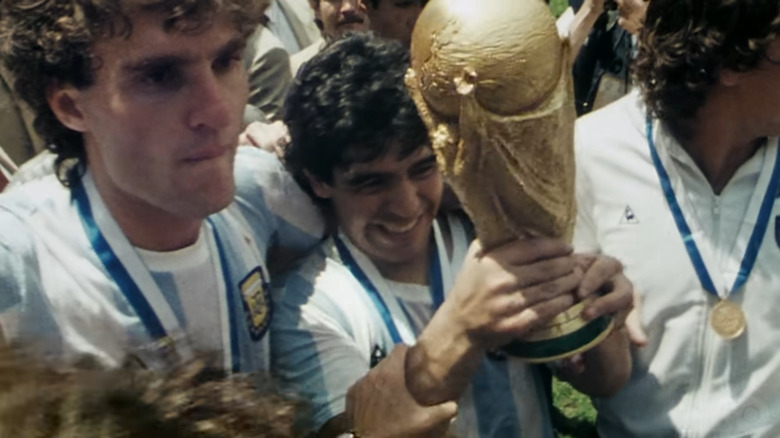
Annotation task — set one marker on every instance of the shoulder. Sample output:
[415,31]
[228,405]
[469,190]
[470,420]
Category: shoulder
[24,205]
[258,170]
[267,192]
[38,215]
[41,227]
[261,178]
[322,282]
[35,239]
[322,294]
[623,117]
[611,132]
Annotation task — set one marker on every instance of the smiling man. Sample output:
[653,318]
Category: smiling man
[396,272]
[145,241]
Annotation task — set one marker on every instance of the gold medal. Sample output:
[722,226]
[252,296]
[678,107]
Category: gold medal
[727,319]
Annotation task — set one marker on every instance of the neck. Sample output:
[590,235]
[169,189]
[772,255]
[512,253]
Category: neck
[414,270]
[722,140]
[144,225]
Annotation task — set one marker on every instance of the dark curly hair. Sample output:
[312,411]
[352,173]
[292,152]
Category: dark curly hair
[43,42]
[192,400]
[349,104]
[685,44]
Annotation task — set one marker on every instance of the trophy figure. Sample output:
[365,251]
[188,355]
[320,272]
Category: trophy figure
[492,82]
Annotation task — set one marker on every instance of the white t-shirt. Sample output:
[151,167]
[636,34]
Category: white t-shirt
[193,273]
[687,381]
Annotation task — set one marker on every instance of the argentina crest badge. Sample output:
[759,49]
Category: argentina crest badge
[257,302]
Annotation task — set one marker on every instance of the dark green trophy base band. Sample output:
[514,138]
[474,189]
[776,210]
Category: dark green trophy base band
[557,348]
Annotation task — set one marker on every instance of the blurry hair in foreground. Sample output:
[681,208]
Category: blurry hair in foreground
[192,401]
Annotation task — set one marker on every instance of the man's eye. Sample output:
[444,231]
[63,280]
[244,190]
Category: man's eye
[162,77]
[423,170]
[368,185]
[225,63]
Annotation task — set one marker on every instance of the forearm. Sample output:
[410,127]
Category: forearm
[379,405]
[607,367]
[439,367]
[581,26]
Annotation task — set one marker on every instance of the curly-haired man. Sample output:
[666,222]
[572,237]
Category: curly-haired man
[680,181]
[144,240]
[398,272]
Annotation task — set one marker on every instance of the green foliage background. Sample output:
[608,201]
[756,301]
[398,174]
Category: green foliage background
[558,6]
[575,416]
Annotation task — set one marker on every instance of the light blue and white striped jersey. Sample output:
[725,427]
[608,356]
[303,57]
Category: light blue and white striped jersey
[327,329]
[65,267]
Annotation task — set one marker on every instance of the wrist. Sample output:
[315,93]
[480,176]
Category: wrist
[448,335]
[440,365]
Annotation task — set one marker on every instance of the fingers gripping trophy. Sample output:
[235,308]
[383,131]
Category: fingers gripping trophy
[492,81]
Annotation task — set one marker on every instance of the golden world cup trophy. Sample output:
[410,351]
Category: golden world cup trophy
[492,81]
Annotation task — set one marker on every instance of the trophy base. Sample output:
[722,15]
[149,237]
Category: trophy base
[566,335]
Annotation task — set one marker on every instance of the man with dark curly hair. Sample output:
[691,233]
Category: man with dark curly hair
[398,272]
[145,239]
[680,182]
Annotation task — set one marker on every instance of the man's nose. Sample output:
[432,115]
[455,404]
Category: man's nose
[404,200]
[351,6]
[212,106]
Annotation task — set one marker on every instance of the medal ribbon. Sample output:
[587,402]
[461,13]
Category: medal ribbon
[756,237]
[131,275]
[435,278]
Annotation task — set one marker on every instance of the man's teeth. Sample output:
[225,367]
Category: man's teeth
[396,228]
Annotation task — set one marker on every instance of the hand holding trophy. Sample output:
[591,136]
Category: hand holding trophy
[492,81]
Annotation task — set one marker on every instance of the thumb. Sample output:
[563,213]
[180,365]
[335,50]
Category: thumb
[446,411]
[440,416]
[636,333]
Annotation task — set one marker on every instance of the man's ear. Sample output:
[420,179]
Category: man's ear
[64,103]
[321,189]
